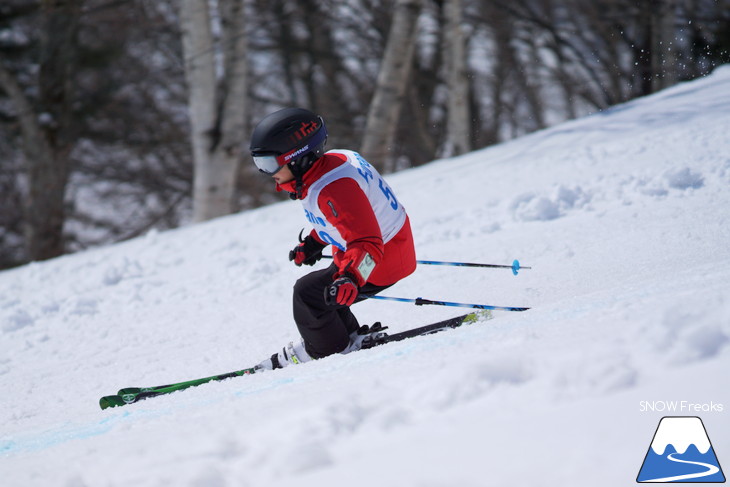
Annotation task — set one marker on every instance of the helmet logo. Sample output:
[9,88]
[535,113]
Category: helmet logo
[295,153]
[305,129]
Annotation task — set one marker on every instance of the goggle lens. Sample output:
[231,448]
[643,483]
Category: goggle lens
[267,164]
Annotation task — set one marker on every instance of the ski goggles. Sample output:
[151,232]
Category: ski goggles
[271,163]
[268,164]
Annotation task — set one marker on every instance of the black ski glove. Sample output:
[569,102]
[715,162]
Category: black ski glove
[308,252]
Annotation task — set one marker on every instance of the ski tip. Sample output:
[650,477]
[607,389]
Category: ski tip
[479,315]
[111,401]
[469,318]
[515,266]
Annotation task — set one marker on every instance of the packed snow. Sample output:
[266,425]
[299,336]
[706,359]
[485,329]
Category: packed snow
[624,217]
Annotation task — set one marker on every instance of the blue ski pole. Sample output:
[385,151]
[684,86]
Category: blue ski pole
[421,301]
[515,264]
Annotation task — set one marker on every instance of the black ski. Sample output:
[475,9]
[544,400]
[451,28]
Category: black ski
[381,338]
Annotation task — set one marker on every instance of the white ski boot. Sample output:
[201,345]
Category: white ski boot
[291,354]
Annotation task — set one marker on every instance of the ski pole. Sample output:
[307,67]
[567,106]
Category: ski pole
[421,301]
[515,264]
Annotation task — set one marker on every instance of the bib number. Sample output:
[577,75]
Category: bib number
[366,172]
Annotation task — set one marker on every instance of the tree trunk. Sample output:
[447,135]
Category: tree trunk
[664,71]
[458,124]
[324,68]
[48,131]
[217,117]
[389,94]
[233,97]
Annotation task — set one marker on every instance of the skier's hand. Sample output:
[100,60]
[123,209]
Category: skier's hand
[308,252]
[342,291]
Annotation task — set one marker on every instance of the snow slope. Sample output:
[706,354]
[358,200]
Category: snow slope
[624,217]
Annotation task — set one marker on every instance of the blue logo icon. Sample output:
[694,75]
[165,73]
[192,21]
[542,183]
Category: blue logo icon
[681,452]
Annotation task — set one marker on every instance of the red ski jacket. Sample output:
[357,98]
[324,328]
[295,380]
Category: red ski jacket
[353,209]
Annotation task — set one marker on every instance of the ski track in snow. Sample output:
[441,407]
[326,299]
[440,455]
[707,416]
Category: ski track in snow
[624,217]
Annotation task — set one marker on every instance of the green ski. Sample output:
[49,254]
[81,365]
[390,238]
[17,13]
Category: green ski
[130,395]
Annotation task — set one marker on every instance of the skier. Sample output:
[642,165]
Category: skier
[350,208]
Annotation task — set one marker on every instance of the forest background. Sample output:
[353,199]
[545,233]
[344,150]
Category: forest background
[120,117]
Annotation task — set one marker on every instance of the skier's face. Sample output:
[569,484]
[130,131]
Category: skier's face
[283,175]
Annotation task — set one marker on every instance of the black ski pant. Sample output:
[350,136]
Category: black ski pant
[325,329]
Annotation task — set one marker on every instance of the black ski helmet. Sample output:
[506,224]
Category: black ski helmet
[292,136]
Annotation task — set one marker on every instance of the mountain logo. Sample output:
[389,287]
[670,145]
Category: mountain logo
[681,452]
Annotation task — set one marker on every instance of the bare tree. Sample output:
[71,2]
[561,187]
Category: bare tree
[48,129]
[217,110]
[390,88]
[95,133]
[458,123]
[663,47]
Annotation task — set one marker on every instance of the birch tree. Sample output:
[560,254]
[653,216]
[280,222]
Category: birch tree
[458,122]
[385,108]
[217,108]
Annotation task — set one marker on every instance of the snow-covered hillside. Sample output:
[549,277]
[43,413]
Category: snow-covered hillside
[624,217]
